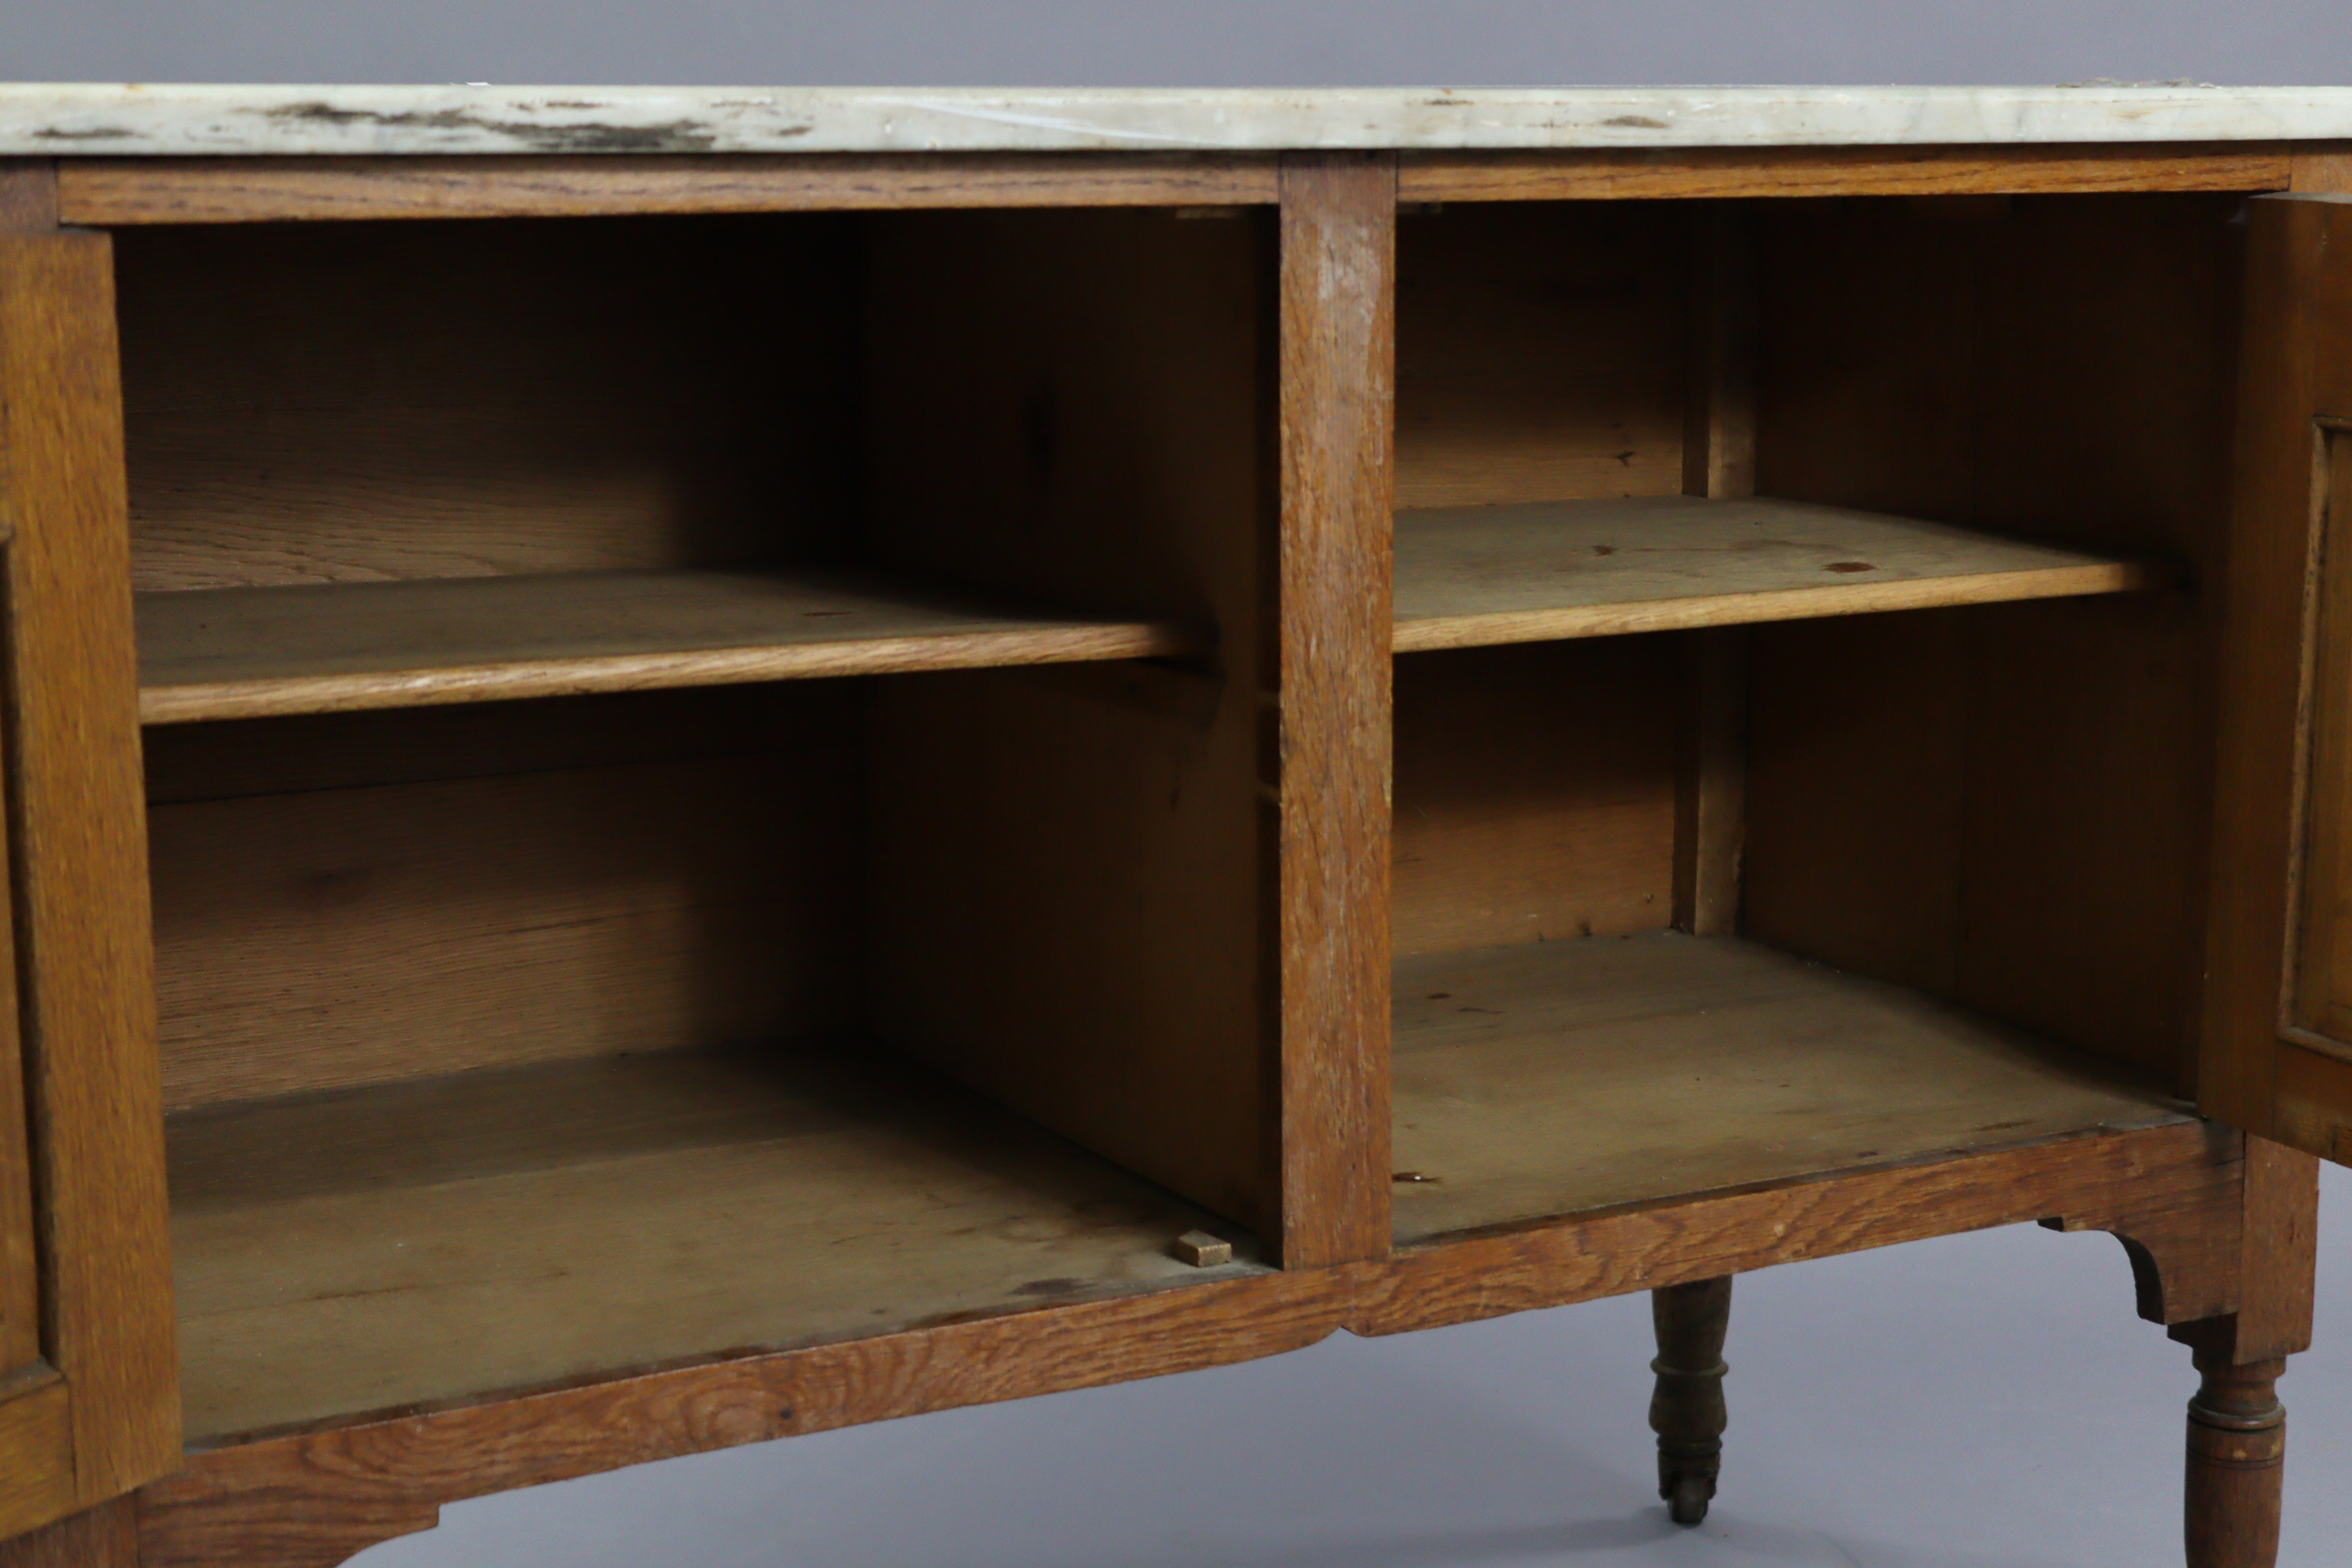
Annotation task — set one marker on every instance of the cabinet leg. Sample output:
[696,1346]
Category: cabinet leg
[1687,1411]
[2237,1457]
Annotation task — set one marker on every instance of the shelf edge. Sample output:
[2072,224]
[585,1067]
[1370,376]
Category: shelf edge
[1430,633]
[436,686]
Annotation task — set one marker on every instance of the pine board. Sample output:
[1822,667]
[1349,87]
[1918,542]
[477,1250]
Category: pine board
[243,653]
[366,1250]
[1559,1078]
[1467,576]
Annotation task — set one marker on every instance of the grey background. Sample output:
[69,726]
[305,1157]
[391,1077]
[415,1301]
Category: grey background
[1977,1401]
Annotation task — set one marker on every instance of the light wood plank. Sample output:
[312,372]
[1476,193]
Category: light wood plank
[1654,175]
[245,653]
[452,1238]
[1469,576]
[1557,1077]
[112,193]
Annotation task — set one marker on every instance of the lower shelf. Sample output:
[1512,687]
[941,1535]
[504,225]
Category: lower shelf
[1552,1079]
[363,1252]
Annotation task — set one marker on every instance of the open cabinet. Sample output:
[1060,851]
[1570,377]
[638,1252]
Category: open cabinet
[662,802]
[637,819]
[1802,713]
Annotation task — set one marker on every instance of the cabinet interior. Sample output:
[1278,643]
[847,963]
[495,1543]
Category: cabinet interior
[706,773]
[696,801]
[1954,853]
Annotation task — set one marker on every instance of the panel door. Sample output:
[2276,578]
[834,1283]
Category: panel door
[89,1376]
[2278,1038]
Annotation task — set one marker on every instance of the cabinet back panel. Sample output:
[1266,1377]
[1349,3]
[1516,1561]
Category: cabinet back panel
[1535,793]
[348,935]
[330,402]
[1541,351]
[1066,897]
[2055,368]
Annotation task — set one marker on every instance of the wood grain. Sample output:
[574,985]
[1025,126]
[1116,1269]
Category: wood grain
[2237,1461]
[2279,1265]
[2317,1007]
[78,835]
[1535,794]
[1856,760]
[2057,371]
[106,1536]
[20,1280]
[1782,172]
[1719,464]
[116,192]
[29,195]
[1063,904]
[311,1499]
[1539,354]
[345,1254]
[2297,365]
[36,1449]
[1559,1078]
[356,403]
[1719,399]
[243,653]
[2322,167]
[1711,782]
[1477,575]
[1329,669]
[344,936]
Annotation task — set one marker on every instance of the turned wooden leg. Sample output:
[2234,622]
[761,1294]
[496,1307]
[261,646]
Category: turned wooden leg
[2237,1459]
[1687,1411]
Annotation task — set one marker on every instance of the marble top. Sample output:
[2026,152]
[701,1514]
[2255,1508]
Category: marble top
[116,119]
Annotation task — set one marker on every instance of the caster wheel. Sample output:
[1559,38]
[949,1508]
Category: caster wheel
[1687,1500]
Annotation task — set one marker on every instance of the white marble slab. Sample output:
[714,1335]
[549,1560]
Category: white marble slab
[117,119]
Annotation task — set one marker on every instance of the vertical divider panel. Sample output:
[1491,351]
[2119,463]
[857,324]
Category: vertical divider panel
[1719,462]
[77,831]
[1329,677]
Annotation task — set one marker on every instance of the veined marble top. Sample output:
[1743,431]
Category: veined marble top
[116,119]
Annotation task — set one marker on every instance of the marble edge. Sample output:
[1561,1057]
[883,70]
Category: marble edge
[87,119]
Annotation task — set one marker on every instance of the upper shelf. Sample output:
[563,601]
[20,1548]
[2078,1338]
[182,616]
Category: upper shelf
[1467,576]
[246,653]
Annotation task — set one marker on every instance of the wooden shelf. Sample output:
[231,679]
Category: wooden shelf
[243,653]
[1467,576]
[360,1251]
[1551,1078]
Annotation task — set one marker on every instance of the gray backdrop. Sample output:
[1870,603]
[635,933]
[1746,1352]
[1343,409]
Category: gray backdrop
[1977,1401]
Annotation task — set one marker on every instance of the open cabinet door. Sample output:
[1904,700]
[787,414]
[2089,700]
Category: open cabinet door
[89,1379]
[2278,1025]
